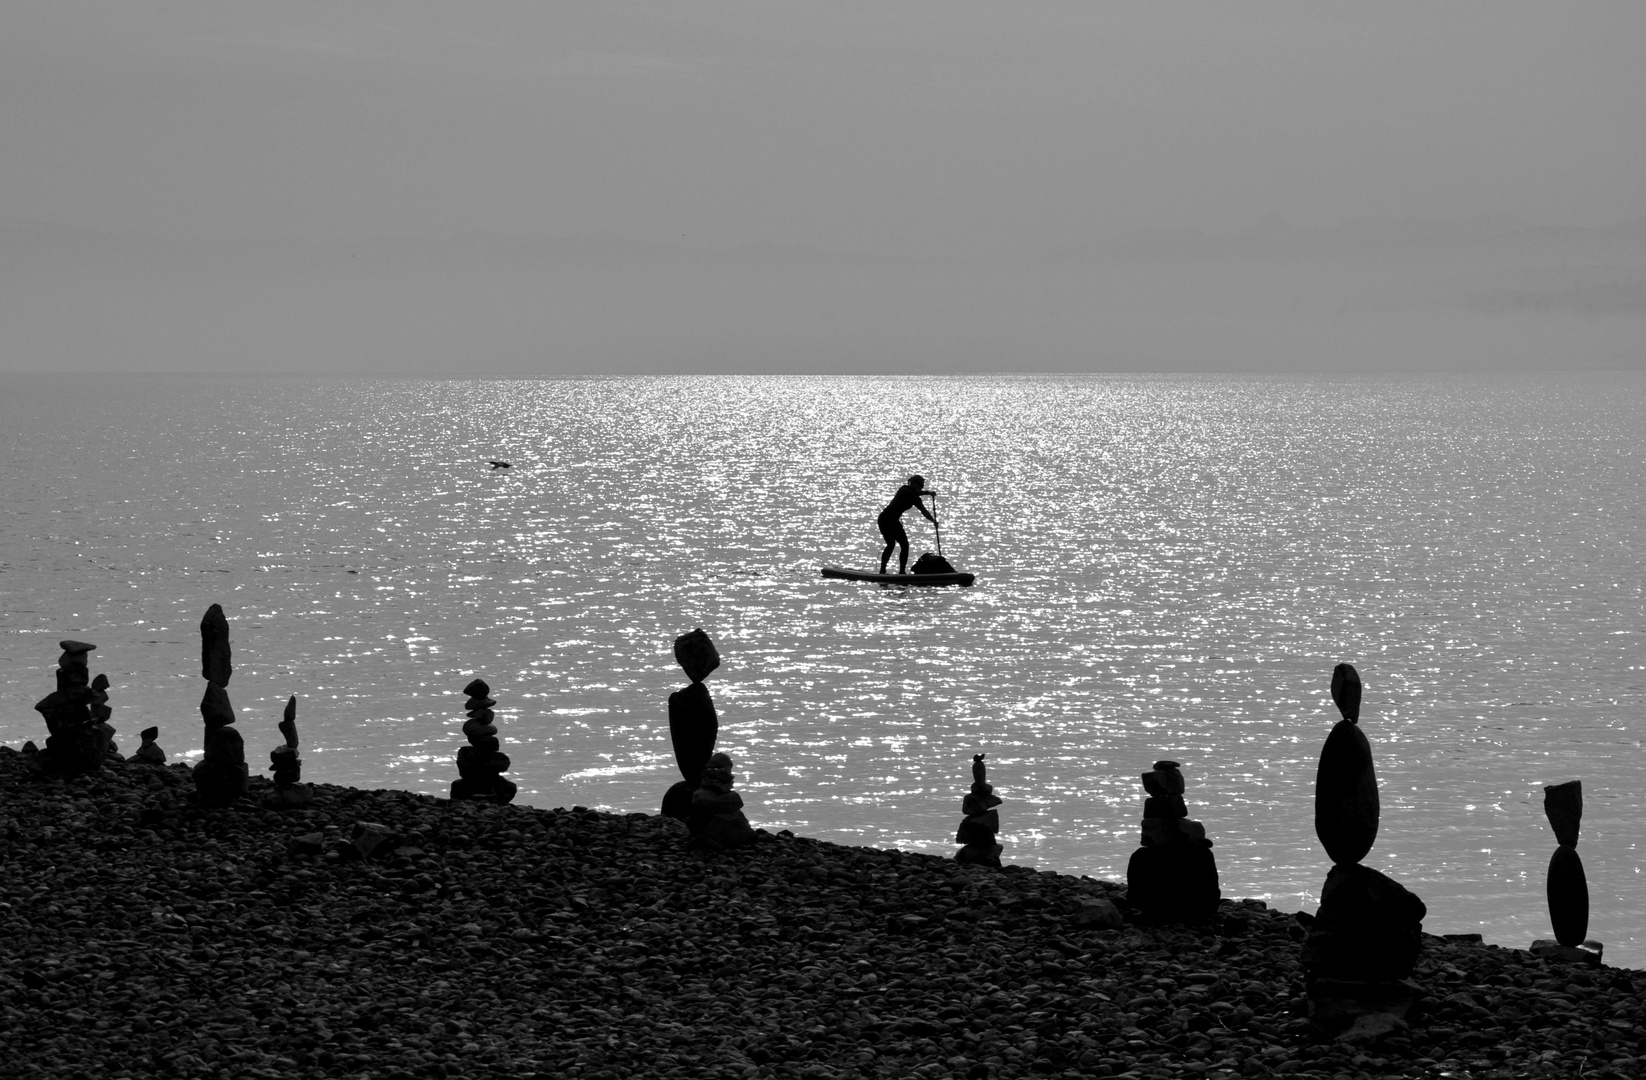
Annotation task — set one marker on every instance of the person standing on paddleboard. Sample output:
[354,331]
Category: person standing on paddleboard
[891,521]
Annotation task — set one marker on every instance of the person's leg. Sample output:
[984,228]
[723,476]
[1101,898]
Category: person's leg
[892,530]
[903,554]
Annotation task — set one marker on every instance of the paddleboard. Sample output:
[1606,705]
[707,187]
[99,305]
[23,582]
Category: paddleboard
[957,578]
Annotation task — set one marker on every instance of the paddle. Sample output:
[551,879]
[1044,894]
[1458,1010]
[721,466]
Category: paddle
[935,528]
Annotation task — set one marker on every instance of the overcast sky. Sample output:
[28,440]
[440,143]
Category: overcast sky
[897,130]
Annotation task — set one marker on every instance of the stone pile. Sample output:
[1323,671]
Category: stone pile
[148,751]
[1363,944]
[480,764]
[1568,887]
[693,725]
[1172,878]
[222,776]
[981,824]
[287,766]
[79,737]
[716,820]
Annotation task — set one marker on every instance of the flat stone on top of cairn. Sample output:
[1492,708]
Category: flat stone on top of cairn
[693,725]
[78,738]
[1567,887]
[1172,878]
[716,820]
[981,824]
[222,776]
[287,766]
[1361,949]
[481,763]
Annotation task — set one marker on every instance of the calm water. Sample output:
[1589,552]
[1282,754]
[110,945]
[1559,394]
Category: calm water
[1168,567]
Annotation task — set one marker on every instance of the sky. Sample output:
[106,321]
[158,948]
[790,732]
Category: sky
[575,188]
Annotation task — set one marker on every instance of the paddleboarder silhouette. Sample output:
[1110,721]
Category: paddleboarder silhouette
[891,521]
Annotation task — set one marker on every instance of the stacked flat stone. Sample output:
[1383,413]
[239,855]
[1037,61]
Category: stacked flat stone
[222,776]
[1364,942]
[716,820]
[148,751]
[78,736]
[1568,887]
[693,725]
[480,764]
[287,766]
[981,825]
[1172,878]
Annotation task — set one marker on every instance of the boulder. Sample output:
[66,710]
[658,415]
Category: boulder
[1346,802]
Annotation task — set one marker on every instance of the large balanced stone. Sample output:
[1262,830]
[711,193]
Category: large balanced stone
[696,655]
[1369,928]
[1563,805]
[214,646]
[1346,691]
[693,728]
[221,776]
[1346,805]
[1568,892]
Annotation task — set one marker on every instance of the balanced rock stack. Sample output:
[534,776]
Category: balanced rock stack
[148,751]
[981,824]
[1172,878]
[287,767]
[693,725]
[1365,939]
[78,735]
[1568,888]
[716,820]
[221,777]
[480,764]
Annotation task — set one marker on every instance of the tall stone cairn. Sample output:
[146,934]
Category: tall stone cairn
[693,725]
[221,777]
[1172,878]
[287,766]
[1365,939]
[981,824]
[716,820]
[78,735]
[1568,887]
[480,764]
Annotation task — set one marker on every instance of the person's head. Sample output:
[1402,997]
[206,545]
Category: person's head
[917,481]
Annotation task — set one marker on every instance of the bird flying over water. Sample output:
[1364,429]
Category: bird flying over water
[501,465]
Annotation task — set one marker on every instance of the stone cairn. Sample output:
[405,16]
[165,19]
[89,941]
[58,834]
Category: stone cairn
[1568,888]
[480,764]
[981,824]
[716,819]
[693,725]
[1365,939]
[148,751]
[221,777]
[287,767]
[1172,878]
[79,737]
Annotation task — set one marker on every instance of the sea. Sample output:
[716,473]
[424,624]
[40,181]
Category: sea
[1168,567]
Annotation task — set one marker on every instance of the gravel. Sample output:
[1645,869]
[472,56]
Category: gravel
[142,936]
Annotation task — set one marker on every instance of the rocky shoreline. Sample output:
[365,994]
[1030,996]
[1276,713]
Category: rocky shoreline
[143,935]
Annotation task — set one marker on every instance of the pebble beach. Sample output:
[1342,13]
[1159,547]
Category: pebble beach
[143,935]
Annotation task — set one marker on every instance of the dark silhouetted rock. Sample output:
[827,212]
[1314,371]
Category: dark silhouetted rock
[696,655]
[1172,877]
[677,801]
[287,766]
[716,820]
[215,708]
[1346,691]
[1568,892]
[1346,804]
[78,738]
[693,729]
[369,840]
[1563,806]
[481,763]
[148,751]
[214,647]
[981,825]
[1369,928]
